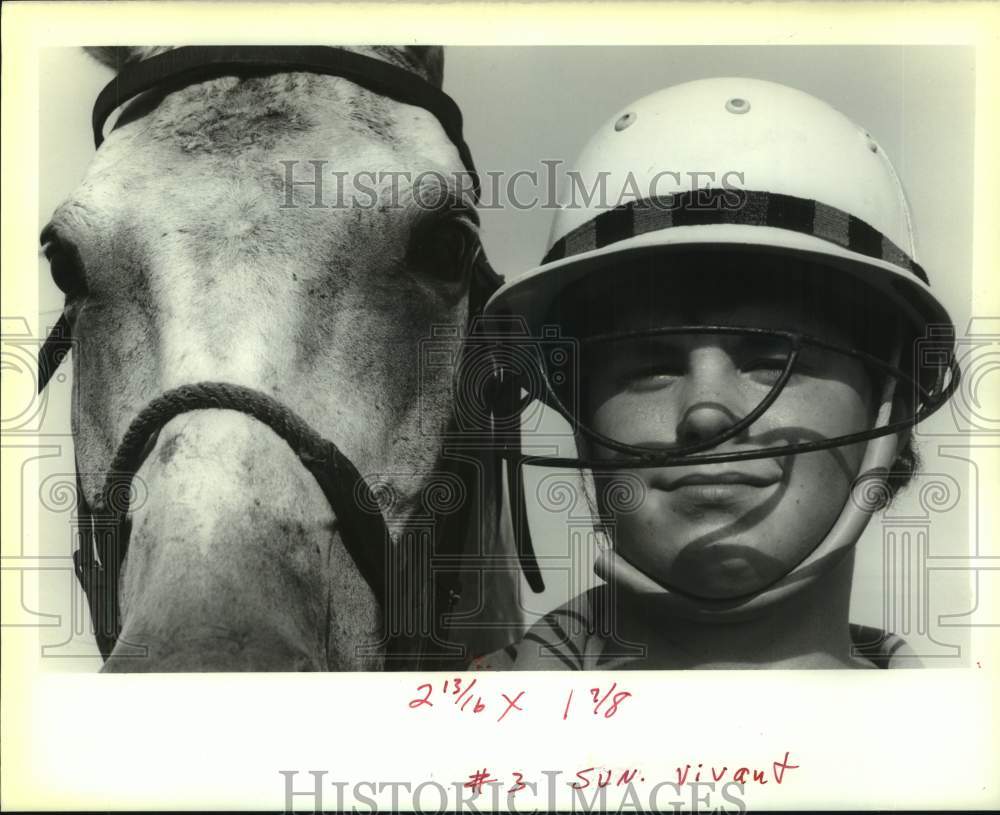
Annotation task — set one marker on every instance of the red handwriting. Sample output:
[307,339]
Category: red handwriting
[465,693]
[478,779]
[604,701]
[600,699]
[427,697]
[458,691]
[740,774]
[518,783]
[511,704]
[604,778]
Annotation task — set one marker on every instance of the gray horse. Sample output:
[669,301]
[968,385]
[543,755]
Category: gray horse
[187,257]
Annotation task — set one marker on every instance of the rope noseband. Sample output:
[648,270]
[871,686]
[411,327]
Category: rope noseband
[362,527]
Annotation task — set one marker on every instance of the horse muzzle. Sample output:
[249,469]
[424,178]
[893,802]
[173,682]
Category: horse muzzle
[232,557]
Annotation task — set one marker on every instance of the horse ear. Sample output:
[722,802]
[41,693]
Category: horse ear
[425,60]
[431,58]
[116,56]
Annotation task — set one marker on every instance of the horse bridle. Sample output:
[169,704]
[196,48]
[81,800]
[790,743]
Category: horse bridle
[105,526]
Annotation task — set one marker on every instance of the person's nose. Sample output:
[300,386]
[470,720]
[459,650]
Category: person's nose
[710,395]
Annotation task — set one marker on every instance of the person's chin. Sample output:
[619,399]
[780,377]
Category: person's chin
[723,571]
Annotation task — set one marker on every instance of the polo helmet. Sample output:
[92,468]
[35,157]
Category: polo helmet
[750,167]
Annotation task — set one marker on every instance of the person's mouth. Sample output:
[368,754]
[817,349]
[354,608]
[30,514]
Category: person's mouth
[715,485]
[727,477]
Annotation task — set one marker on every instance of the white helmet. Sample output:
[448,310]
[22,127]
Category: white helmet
[751,166]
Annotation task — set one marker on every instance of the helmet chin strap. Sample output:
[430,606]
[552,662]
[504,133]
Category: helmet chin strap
[867,492]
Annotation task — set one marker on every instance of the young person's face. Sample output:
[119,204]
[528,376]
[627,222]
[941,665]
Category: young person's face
[724,530]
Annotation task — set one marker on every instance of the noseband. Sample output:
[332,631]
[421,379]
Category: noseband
[362,527]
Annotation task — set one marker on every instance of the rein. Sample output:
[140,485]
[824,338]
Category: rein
[362,525]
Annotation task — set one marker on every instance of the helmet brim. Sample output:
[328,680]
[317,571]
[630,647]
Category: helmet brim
[531,295]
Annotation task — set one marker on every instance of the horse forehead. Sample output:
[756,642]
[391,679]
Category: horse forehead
[235,118]
[230,147]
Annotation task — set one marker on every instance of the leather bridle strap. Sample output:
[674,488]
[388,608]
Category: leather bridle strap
[362,526]
[53,351]
[184,66]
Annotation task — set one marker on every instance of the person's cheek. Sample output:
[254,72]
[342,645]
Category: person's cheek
[850,413]
[819,483]
[647,533]
[626,420]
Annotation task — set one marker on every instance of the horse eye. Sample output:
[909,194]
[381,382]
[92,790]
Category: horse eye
[64,266]
[446,250]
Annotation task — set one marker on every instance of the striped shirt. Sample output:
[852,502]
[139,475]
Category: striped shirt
[568,639]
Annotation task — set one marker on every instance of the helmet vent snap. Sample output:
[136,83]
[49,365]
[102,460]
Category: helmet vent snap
[625,120]
[737,105]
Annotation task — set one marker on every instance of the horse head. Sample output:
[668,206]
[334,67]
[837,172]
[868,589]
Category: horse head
[295,236]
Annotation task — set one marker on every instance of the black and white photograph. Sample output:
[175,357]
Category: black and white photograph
[536,395]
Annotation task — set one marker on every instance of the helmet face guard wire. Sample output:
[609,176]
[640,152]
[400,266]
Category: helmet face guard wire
[848,526]
[511,403]
[641,457]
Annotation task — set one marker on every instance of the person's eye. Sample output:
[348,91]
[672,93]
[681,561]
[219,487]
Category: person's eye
[765,370]
[651,379]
